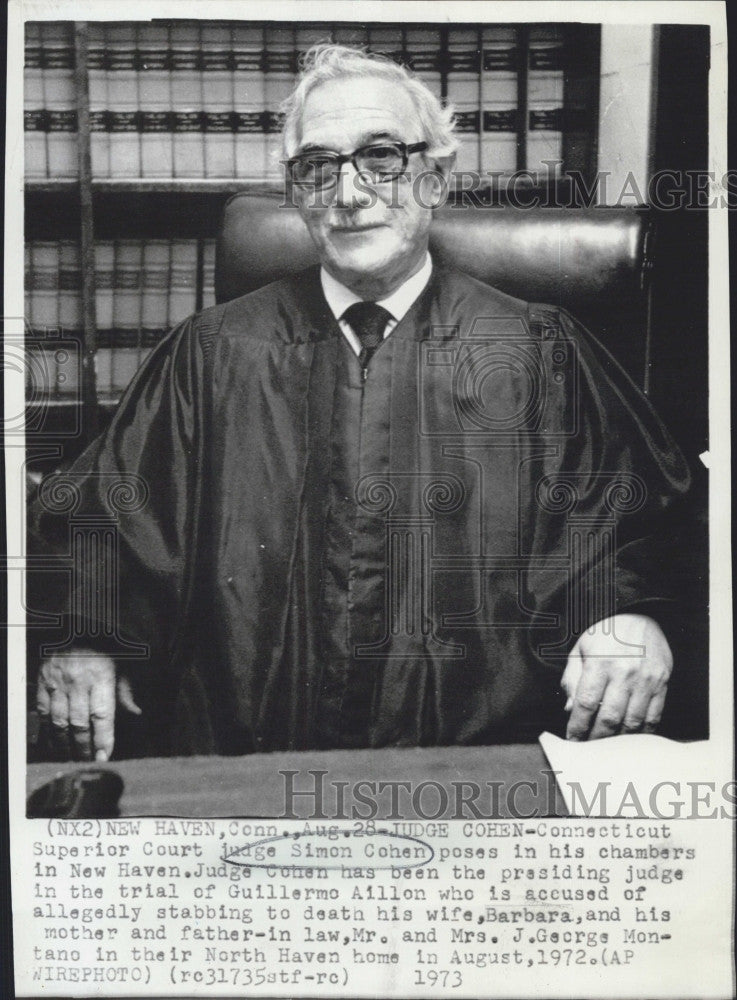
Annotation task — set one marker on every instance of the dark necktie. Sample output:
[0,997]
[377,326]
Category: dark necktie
[368,320]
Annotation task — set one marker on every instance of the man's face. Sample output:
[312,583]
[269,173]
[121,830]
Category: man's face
[370,236]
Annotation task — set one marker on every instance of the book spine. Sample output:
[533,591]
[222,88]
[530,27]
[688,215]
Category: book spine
[43,319]
[157,262]
[280,74]
[40,372]
[35,118]
[218,89]
[154,87]
[66,362]
[104,283]
[70,287]
[35,383]
[182,281]
[499,100]
[545,94]
[422,53]
[44,282]
[208,274]
[188,101]
[123,101]
[28,278]
[306,36]
[351,34]
[97,63]
[250,102]
[127,302]
[463,94]
[57,50]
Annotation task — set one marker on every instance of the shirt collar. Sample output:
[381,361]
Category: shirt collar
[339,298]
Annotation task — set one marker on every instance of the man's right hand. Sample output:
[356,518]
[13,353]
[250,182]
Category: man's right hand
[76,698]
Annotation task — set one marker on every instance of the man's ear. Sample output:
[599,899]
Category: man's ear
[436,181]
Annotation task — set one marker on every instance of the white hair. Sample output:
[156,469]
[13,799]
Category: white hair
[328,61]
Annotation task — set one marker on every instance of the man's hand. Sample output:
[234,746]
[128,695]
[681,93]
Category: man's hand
[612,686]
[76,694]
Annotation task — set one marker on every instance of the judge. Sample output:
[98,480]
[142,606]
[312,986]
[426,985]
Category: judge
[381,503]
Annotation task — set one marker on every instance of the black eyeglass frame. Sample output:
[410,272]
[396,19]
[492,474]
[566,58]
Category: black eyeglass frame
[338,159]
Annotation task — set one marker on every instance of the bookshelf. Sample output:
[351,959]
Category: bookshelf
[136,133]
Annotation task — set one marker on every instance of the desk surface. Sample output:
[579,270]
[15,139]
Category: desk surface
[523,784]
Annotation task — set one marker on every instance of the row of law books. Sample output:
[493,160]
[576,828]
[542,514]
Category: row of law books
[193,100]
[142,289]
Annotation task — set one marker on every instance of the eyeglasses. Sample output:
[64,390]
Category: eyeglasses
[377,162]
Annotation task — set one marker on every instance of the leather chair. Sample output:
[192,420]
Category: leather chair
[595,262]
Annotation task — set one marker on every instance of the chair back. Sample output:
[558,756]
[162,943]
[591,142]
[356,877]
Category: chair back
[595,262]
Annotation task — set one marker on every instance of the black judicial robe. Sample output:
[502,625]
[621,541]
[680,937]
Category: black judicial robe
[305,557]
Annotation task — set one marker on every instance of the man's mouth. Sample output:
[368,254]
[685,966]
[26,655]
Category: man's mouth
[357,229]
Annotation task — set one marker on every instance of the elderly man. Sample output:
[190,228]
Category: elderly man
[361,483]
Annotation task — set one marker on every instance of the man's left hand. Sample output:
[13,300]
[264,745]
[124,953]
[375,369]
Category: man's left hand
[616,678]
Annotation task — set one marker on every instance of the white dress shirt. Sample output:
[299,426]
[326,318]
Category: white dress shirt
[339,298]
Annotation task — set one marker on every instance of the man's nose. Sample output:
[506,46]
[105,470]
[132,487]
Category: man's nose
[351,190]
